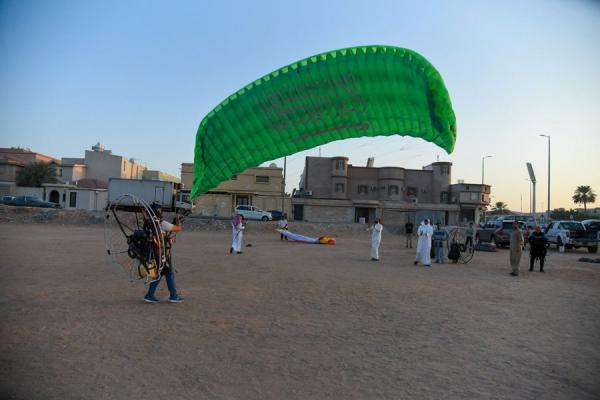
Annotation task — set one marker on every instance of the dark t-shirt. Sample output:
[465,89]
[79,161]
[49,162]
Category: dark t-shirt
[408,228]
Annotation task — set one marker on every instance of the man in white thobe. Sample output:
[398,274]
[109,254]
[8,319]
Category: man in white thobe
[237,228]
[424,233]
[376,239]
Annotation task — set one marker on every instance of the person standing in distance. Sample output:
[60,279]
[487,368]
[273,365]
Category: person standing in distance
[408,231]
[424,233]
[439,239]
[376,239]
[537,248]
[237,228]
[283,225]
[516,248]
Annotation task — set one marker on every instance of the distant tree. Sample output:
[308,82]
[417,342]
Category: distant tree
[562,214]
[500,207]
[584,194]
[37,173]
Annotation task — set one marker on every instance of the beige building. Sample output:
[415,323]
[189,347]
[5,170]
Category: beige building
[332,190]
[13,160]
[73,169]
[259,186]
[75,197]
[67,196]
[26,156]
[155,175]
[471,197]
[102,165]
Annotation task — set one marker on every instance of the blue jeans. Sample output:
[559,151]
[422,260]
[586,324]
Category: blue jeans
[170,278]
[439,252]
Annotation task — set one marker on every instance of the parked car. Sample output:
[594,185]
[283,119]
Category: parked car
[572,234]
[31,201]
[498,232]
[528,219]
[251,212]
[277,215]
[593,227]
[6,199]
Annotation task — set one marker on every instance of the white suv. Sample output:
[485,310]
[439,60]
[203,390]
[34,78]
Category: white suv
[251,212]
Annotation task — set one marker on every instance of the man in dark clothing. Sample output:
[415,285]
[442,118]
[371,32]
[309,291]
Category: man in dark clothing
[408,231]
[537,248]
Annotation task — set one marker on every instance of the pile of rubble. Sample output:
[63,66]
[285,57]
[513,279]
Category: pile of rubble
[25,215]
[9,214]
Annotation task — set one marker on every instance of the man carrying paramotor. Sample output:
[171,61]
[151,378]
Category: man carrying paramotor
[166,230]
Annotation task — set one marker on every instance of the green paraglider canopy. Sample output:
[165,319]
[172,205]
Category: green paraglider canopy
[348,93]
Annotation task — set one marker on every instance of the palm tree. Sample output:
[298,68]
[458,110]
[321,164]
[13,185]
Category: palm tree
[500,207]
[584,194]
[37,173]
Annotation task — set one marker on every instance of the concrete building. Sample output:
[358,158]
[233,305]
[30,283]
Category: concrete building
[74,197]
[155,175]
[332,190]
[73,169]
[13,160]
[68,196]
[102,165]
[471,197]
[26,156]
[259,186]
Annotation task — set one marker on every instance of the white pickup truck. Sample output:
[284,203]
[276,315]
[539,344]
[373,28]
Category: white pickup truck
[151,191]
[571,234]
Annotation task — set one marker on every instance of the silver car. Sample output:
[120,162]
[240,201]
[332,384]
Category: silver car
[251,212]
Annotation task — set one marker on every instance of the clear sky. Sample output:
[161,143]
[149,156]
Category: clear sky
[139,76]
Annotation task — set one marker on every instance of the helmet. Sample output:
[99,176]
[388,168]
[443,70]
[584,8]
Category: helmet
[156,209]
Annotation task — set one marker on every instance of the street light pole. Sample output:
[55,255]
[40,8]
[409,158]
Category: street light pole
[530,201]
[483,169]
[530,184]
[548,136]
[283,186]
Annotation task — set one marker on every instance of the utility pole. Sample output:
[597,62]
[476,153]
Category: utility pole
[521,202]
[548,137]
[283,185]
[483,169]
[533,182]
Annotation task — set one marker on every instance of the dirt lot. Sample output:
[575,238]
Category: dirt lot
[291,321]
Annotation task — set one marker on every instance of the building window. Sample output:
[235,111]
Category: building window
[339,164]
[262,179]
[392,190]
[234,177]
[411,191]
[123,165]
[474,196]
[363,189]
[242,200]
[445,170]
[73,199]
[339,188]
[483,198]
[444,196]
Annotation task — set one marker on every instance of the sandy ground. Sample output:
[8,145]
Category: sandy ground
[291,321]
